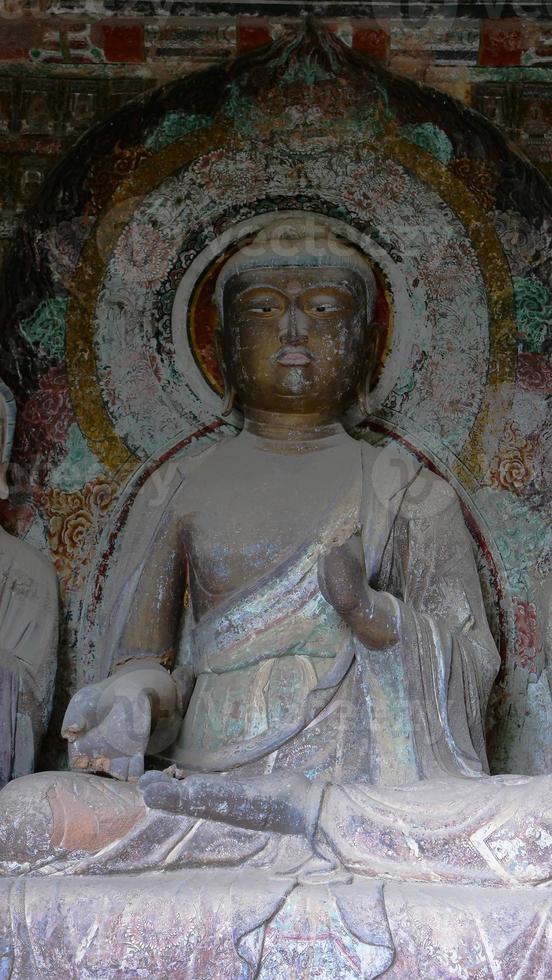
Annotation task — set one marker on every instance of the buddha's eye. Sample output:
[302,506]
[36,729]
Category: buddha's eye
[262,304]
[322,307]
[327,302]
[266,311]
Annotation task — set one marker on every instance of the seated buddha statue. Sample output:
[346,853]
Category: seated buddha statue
[302,651]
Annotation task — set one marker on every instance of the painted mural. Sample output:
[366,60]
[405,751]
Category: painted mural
[108,322]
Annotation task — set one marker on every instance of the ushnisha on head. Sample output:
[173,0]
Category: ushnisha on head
[296,306]
[8,413]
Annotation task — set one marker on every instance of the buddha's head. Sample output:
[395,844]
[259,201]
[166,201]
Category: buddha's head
[296,307]
[7,426]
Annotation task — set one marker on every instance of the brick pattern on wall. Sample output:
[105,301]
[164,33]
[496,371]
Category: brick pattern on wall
[65,64]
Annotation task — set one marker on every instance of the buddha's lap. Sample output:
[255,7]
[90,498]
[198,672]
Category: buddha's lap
[64,811]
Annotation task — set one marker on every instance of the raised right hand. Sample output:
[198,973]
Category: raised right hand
[109,724]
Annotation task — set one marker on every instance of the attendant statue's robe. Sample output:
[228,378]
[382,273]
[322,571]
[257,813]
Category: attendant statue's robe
[28,648]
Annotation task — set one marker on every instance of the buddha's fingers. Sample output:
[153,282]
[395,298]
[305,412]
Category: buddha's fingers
[79,761]
[130,769]
[153,776]
[82,713]
[161,795]
[124,768]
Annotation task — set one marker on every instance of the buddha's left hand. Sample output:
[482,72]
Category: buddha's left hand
[343,582]
[283,801]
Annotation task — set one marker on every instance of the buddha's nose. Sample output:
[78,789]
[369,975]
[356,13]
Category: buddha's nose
[293,328]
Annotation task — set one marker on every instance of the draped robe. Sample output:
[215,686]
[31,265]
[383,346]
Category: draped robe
[292,675]
[28,648]
[282,684]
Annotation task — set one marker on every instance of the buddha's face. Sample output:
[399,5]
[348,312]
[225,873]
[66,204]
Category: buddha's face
[297,339]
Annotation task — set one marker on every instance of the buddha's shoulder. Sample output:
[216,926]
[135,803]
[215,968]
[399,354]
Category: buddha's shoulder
[401,482]
[165,489]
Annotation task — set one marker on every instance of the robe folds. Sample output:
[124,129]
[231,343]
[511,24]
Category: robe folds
[301,693]
[28,647]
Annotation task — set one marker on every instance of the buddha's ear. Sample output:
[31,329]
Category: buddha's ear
[229,395]
[4,452]
[4,488]
[218,346]
[372,368]
[377,349]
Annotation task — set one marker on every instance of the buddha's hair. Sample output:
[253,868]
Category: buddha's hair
[302,239]
[8,412]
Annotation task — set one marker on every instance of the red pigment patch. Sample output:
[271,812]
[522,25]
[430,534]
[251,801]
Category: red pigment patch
[123,43]
[372,41]
[501,43]
[253,32]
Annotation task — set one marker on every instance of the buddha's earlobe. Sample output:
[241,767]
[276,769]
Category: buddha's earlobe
[229,394]
[366,385]
[363,397]
[228,398]
[4,488]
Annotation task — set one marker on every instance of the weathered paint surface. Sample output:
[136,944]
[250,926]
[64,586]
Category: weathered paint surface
[115,374]
[62,70]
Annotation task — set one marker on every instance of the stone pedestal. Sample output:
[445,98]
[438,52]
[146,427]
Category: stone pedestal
[190,925]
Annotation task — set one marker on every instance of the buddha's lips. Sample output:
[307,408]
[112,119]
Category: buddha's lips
[294,356]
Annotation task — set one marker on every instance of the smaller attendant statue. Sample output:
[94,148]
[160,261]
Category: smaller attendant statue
[28,632]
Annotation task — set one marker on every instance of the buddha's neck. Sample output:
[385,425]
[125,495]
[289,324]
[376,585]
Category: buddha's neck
[288,433]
